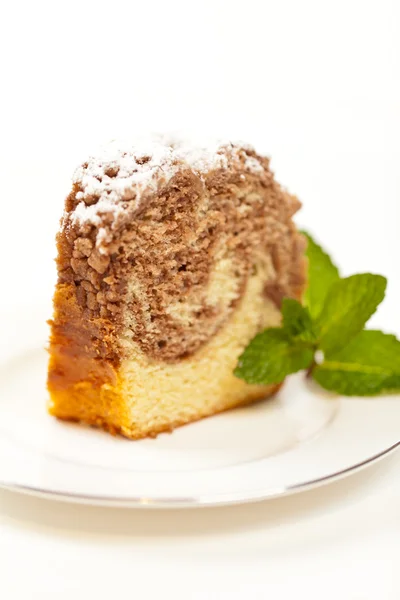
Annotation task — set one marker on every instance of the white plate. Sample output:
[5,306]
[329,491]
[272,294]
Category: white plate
[302,438]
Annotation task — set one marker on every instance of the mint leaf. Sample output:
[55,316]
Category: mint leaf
[322,273]
[271,356]
[296,320]
[369,365]
[349,304]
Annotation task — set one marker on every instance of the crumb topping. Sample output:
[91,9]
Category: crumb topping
[121,172]
[158,242]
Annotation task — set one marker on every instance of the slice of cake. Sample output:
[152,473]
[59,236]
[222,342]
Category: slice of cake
[171,257]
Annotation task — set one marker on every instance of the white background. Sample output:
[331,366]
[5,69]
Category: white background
[314,84]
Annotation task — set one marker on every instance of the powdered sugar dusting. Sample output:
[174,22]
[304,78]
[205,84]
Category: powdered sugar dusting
[253,164]
[121,172]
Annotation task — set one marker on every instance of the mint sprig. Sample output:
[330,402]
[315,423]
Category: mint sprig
[356,361]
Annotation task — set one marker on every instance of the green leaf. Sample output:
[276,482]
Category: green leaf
[322,273]
[271,356]
[369,365]
[349,304]
[296,320]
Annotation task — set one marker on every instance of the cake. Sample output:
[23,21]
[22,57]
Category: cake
[171,257]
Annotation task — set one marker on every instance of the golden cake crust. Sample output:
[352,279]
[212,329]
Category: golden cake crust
[86,388]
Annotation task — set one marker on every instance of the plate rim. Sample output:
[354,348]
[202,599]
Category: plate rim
[200,501]
[194,500]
